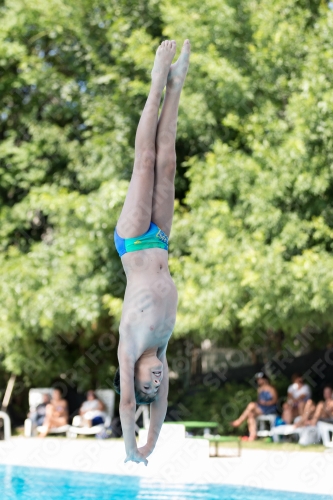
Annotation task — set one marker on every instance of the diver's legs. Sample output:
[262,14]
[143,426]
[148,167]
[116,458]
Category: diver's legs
[135,217]
[165,168]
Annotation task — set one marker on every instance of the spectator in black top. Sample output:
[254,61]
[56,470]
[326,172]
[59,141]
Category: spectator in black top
[38,416]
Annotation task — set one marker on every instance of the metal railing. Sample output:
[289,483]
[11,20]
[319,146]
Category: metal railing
[6,425]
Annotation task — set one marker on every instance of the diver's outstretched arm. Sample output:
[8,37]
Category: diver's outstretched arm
[127,404]
[158,411]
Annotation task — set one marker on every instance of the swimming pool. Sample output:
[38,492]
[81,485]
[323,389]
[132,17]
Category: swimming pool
[30,483]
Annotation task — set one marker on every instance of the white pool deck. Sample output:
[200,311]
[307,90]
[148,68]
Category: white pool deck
[179,461]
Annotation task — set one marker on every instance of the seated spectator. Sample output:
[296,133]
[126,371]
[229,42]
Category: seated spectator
[322,411]
[56,413]
[265,405]
[298,394]
[92,411]
[38,415]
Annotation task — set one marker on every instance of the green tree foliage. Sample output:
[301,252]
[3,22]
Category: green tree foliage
[251,243]
[254,246]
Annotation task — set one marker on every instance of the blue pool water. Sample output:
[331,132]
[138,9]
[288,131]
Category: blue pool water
[30,483]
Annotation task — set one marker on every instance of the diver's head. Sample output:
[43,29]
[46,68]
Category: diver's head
[148,375]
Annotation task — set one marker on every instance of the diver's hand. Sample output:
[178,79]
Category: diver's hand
[146,450]
[136,456]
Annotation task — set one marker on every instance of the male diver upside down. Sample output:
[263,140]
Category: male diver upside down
[141,238]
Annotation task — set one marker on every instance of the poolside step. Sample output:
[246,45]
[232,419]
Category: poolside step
[172,441]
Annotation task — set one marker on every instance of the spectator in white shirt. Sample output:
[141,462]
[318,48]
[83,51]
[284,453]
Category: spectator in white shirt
[92,411]
[298,394]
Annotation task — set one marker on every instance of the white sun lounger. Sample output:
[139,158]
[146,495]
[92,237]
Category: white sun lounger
[306,435]
[107,396]
[265,425]
[325,430]
[36,398]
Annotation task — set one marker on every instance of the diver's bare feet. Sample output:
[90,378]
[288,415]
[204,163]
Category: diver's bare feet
[178,70]
[163,59]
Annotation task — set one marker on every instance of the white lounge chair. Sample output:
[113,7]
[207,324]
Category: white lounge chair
[285,430]
[144,411]
[36,398]
[306,435]
[7,432]
[107,396]
[309,435]
[265,425]
[325,430]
